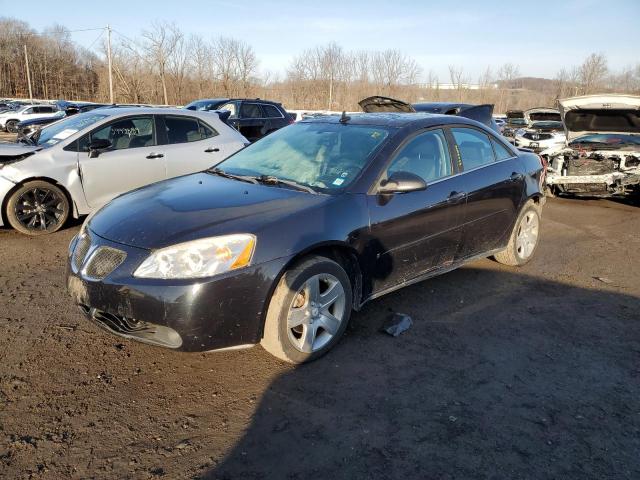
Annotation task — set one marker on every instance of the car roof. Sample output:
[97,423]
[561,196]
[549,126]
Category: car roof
[397,120]
[148,111]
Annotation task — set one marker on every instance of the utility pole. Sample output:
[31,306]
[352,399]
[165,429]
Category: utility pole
[109,61]
[26,60]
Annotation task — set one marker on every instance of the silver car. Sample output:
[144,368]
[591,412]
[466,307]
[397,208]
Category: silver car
[78,164]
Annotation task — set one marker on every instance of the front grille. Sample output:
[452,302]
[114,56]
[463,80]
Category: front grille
[131,328]
[537,136]
[79,254]
[103,261]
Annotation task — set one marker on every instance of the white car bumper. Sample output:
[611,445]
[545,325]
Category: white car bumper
[610,183]
[5,187]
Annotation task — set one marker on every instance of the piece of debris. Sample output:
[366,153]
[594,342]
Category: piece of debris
[396,324]
[604,280]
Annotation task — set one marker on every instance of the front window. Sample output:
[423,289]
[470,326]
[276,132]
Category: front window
[324,156]
[59,131]
[231,107]
[426,155]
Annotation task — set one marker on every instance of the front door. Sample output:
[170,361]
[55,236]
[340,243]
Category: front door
[420,231]
[132,161]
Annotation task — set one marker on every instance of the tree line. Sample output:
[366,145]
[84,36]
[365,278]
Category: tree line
[164,65]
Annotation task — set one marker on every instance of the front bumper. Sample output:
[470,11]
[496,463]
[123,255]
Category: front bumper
[611,184]
[190,315]
[5,187]
[536,146]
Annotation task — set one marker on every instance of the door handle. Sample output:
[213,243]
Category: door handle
[212,149]
[516,176]
[155,155]
[455,196]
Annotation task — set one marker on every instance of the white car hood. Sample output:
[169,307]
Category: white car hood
[13,152]
[575,109]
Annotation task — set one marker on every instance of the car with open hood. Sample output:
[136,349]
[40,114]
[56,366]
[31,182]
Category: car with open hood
[601,155]
[79,163]
[479,113]
[281,241]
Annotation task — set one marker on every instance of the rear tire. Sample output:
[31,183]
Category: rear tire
[309,311]
[38,208]
[11,126]
[524,238]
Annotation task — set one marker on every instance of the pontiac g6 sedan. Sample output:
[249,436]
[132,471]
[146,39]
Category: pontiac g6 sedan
[280,242]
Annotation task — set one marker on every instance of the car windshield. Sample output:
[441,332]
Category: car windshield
[58,131]
[324,156]
[608,140]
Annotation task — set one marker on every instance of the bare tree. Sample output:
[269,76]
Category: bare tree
[160,44]
[593,72]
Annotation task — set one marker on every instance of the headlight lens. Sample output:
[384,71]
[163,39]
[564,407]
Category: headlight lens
[199,258]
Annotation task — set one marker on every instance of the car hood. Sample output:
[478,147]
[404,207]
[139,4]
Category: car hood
[196,206]
[600,114]
[385,104]
[14,152]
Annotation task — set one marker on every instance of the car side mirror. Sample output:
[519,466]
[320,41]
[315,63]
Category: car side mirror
[97,146]
[401,182]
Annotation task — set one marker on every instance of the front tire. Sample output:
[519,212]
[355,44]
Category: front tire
[37,208]
[309,311]
[523,241]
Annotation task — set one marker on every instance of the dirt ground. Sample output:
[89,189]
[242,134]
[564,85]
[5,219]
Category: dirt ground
[506,374]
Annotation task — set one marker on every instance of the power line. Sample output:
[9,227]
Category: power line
[48,34]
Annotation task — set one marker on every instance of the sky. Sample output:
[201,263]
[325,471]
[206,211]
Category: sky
[539,36]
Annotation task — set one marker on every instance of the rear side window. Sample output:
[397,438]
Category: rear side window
[473,147]
[126,133]
[501,151]
[206,131]
[182,129]
[271,112]
[426,155]
[250,110]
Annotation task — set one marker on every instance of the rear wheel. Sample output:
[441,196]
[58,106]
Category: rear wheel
[11,126]
[309,311]
[37,208]
[524,238]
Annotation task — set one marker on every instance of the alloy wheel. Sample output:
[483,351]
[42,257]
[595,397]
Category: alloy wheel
[39,209]
[316,313]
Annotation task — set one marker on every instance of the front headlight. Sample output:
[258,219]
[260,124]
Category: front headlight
[199,258]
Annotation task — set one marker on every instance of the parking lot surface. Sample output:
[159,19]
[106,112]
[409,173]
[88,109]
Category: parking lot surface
[506,373]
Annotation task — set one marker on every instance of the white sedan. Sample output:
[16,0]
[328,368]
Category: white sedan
[9,120]
[78,164]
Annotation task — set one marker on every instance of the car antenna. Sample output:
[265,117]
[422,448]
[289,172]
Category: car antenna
[344,118]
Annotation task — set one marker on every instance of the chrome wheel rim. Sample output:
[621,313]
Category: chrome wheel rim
[527,236]
[39,209]
[316,313]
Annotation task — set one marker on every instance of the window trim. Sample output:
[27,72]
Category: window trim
[373,189]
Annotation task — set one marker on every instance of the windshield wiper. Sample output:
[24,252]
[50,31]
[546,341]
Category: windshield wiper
[271,180]
[242,178]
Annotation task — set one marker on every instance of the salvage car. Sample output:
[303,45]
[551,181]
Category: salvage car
[479,113]
[280,242]
[29,127]
[540,135]
[9,120]
[601,157]
[253,118]
[79,163]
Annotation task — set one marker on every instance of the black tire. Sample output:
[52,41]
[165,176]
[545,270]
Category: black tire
[516,254]
[38,208]
[11,126]
[281,340]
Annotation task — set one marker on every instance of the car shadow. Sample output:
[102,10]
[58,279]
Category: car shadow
[503,375]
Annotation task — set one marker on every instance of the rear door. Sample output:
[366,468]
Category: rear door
[132,161]
[251,121]
[494,182]
[418,231]
[190,144]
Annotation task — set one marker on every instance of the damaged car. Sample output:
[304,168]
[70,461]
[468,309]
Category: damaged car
[79,163]
[281,241]
[540,135]
[601,157]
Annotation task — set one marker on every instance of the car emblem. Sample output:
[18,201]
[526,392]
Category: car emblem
[535,136]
